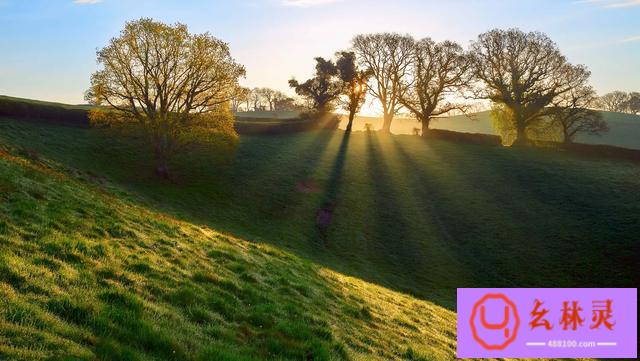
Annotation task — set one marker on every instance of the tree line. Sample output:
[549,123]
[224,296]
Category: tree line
[531,85]
[621,102]
[263,99]
[182,88]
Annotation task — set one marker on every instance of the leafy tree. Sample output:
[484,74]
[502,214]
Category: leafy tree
[438,71]
[523,73]
[388,57]
[323,89]
[240,95]
[354,84]
[539,129]
[169,81]
[615,101]
[571,114]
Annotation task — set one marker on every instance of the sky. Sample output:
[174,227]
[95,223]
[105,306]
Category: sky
[47,47]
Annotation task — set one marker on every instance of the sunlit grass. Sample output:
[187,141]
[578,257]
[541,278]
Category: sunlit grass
[83,263]
[85,275]
[412,215]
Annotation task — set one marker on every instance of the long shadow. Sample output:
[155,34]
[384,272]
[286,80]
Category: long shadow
[531,214]
[582,234]
[453,227]
[400,253]
[237,201]
[329,201]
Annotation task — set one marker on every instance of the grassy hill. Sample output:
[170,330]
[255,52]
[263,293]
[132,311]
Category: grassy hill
[86,275]
[624,128]
[5,98]
[98,246]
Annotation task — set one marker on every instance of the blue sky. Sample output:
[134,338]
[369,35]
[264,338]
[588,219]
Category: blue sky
[47,47]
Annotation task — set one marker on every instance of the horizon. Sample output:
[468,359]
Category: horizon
[278,39]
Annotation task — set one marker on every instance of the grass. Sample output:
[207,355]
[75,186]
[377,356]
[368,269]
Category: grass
[87,275]
[99,259]
[418,217]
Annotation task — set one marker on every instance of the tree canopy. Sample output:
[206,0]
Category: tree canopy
[438,70]
[168,80]
[353,83]
[572,114]
[524,73]
[388,57]
[323,89]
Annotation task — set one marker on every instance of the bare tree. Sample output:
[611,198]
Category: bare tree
[278,99]
[286,104]
[633,103]
[524,72]
[438,70]
[255,97]
[572,114]
[166,79]
[388,57]
[354,84]
[268,95]
[615,101]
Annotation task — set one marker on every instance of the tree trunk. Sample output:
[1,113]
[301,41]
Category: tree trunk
[386,123]
[425,126]
[352,115]
[567,141]
[521,136]
[162,164]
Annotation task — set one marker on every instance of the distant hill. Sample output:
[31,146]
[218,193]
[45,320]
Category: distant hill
[42,102]
[58,113]
[624,128]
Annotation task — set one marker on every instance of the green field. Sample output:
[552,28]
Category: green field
[86,275]
[412,216]
[624,128]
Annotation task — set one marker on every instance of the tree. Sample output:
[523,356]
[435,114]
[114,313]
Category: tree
[277,99]
[255,97]
[270,96]
[388,57]
[571,114]
[169,81]
[240,95]
[438,70]
[354,84]
[633,103]
[323,89]
[286,104]
[524,72]
[615,101]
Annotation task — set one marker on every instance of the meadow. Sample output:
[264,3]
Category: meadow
[420,217]
[88,275]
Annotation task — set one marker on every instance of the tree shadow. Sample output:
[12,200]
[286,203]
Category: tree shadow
[325,214]
[529,212]
[405,251]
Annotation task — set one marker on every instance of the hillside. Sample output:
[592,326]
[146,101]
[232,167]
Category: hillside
[33,102]
[414,216]
[87,275]
[624,128]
